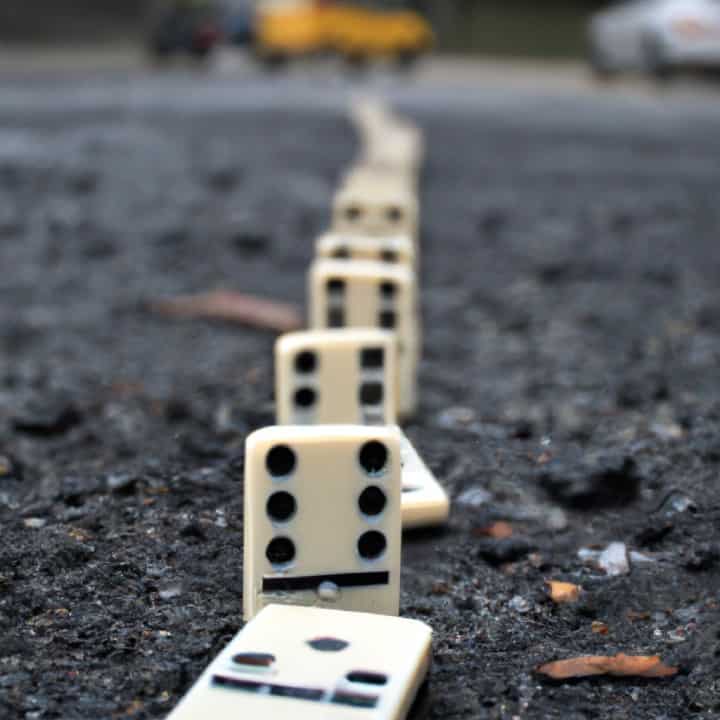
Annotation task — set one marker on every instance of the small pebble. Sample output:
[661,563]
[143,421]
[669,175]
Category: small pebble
[670,431]
[613,560]
[34,523]
[473,497]
[170,592]
[681,503]
[454,417]
[557,519]
[519,604]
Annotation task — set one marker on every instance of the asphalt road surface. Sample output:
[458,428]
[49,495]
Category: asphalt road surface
[569,384]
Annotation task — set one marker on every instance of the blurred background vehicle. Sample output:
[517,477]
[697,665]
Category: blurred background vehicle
[655,36]
[357,31]
[184,27]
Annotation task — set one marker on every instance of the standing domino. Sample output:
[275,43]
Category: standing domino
[322,518]
[371,295]
[299,663]
[330,377]
[376,208]
[389,143]
[397,152]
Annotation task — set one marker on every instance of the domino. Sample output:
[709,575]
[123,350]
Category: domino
[390,249]
[424,501]
[323,518]
[396,151]
[376,209]
[301,663]
[369,294]
[388,141]
[336,377]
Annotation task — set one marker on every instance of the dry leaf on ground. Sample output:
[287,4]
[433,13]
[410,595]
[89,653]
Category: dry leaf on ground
[620,665]
[563,592]
[232,307]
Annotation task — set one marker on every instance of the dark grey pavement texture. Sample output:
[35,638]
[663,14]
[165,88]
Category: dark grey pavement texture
[569,379]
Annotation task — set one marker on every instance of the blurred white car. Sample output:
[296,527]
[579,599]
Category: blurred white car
[656,36]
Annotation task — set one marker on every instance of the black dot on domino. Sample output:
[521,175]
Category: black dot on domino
[388,289]
[306,362]
[305,397]
[335,286]
[280,461]
[394,214]
[371,393]
[372,501]
[328,644]
[373,457]
[280,551]
[281,506]
[371,358]
[371,545]
[353,212]
[387,319]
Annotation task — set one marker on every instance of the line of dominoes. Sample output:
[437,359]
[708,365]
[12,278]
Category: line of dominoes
[329,489]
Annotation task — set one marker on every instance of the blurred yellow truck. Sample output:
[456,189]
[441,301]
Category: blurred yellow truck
[291,28]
